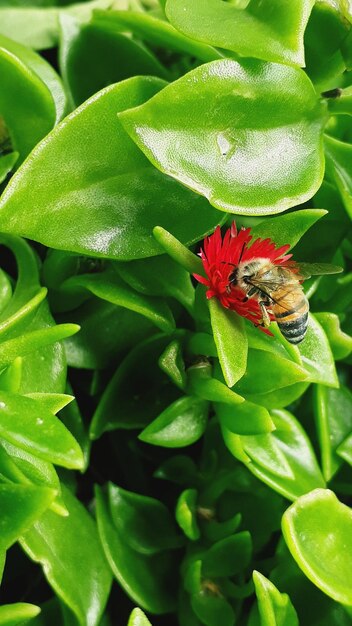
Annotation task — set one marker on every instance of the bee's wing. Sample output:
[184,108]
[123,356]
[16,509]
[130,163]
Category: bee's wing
[306,270]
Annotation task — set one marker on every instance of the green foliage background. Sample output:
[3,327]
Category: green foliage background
[156,450]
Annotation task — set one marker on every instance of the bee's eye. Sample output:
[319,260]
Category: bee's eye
[246,279]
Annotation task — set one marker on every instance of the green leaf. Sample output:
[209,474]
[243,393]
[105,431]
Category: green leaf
[33,341]
[59,544]
[88,56]
[151,528]
[317,358]
[306,525]
[19,613]
[147,579]
[25,423]
[340,342]
[158,32]
[283,372]
[26,467]
[158,276]
[20,506]
[257,150]
[107,333]
[228,556]
[177,251]
[333,414]
[246,419]
[138,388]
[181,424]
[6,164]
[267,30]
[325,34]
[108,286]
[186,514]
[288,228]
[283,459]
[126,196]
[172,364]
[26,103]
[137,618]
[43,70]
[230,340]
[202,384]
[339,163]
[275,608]
[38,27]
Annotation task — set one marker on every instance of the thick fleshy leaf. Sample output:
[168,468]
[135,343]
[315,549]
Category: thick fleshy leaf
[306,525]
[156,31]
[88,56]
[333,413]
[324,36]
[228,556]
[203,385]
[26,103]
[256,150]
[246,419]
[41,68]
[340,342]
[7,162]
[59,544]
[263,29]
[177,251]
[147,579]
[186,514]
[20,506]
[38,26]
[181,424]
[275,608]
[137,391]
[158,276]
[151,527]
[339,163]
[26,467]
[107,333]
[172,364]
[288,228]
[317,358]
[108,286]
[33,341]
[283,459]
[231,341]
[283,372]
[120,196]
[25,423]
[137,618]
[19,613]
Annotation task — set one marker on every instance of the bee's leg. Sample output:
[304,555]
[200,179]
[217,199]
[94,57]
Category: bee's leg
[265,314]
[250,293]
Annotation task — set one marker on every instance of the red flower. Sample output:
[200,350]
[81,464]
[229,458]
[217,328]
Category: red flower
[219,257]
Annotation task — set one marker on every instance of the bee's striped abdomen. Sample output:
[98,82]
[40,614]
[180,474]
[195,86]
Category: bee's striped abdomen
[293,322]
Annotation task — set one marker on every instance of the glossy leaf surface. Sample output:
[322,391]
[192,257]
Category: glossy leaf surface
[146,579]
[230,340]
[21,505]
[306,525]
[111,171]
[275,608]
[25,423]
[267,30]
[283,459]
[59,544]
[19,613]
[181,424]
[246,156]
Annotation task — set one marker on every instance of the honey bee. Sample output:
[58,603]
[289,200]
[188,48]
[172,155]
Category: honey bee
[279,292]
